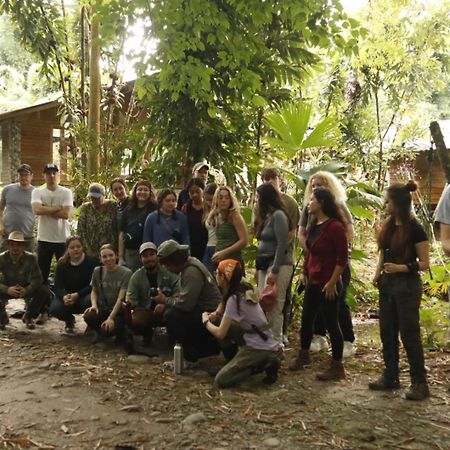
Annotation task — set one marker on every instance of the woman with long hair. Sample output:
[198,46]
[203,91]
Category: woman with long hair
[273,259]
[142,203]
[403,252]
[194,210]
[72,289]
[109,286]
[325,260]
[208,195]
[260,352]
[166,222]
[328,180]
[231,230]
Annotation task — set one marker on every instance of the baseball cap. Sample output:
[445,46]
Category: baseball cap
[147,246]
[198,166]
[25,168]
[169,247]
[50,167]
[96,190]
[16,236]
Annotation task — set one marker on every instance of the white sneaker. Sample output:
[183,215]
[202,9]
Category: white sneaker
[187,365]
[318,344]
[349,349]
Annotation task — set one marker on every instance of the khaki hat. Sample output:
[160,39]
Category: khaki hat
[168,248]
[16,236]
[198,166]
[147,246]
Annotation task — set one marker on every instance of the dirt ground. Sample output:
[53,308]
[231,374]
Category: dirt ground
[62,392]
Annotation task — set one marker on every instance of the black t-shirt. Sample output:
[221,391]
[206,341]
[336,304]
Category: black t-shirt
[313,233]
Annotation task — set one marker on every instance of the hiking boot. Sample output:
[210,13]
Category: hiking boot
[28,321]
[272,371]
[334,372]
[383,383]
[418,391]
[319,343]
[303,359]
[348,350]
[4,319]
[42,318]
[69,328]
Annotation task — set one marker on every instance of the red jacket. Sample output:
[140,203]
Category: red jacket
[330,249]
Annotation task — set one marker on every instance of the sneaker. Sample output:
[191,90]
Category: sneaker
[349,349]
[42,318]
[285,340]
[318,344]
[69,328]
[384,383]
[187,365]
[418,392]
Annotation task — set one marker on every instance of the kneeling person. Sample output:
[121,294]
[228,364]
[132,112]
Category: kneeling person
[183,312]
[143,286]
[21,278]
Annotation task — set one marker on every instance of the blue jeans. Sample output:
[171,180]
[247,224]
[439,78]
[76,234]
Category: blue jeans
[65,312]
[209,251]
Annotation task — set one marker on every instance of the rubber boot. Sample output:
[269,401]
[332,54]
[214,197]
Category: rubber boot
[334,372]
[303,359]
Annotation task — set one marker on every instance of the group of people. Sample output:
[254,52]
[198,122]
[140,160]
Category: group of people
[148,260]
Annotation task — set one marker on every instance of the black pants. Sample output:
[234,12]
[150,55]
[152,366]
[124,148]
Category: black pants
[400,296]
[315,303]
[65,312]
[45,252]
[33,302]
[94,321]
[345,315]
[187,328]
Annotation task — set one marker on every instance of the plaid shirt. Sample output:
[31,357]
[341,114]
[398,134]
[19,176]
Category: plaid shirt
[25,272]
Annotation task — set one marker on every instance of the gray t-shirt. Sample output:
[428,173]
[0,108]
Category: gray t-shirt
[443,207]
[112,283]
[18,214]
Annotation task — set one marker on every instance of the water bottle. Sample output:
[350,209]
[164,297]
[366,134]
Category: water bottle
[178,358]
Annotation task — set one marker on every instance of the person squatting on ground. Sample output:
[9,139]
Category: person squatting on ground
[109,287]
[144,286]
[73,275]
[403,252]
[260,352]
[21,278]
[325,260]
[274,258]
[183,312]
[16,213]
[329,181]
[141,204]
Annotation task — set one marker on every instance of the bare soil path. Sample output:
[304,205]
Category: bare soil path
[62,392]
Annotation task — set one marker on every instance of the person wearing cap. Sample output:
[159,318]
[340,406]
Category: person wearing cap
[200,170]
[97,222]
[21,278]
[73,276]
[53,204]
[183,312]
[145,284]
[16,212]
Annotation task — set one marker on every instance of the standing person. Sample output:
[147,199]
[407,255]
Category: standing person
[166,222]
[119,189]
[97,222]
[231,230]
[274,258]
[53,204]
[328,180]
[326,258]
[403,252]
[21,278]
[109,287]
[260,352]
[73,276]
[208,195]
[194,210]
[16,213]
[141,204]
[200,170]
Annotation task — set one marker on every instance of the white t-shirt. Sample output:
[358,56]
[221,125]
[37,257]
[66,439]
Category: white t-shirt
[443,207]
[50,229]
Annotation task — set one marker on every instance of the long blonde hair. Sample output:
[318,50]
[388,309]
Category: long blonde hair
[330,182]
[234,207]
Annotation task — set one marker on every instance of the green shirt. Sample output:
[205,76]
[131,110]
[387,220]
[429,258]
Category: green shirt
[138,293]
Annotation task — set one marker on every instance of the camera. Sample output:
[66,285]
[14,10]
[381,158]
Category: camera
[153,292]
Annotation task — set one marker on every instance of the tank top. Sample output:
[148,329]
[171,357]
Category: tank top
[227,236]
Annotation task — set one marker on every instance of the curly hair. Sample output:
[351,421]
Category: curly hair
[329,181]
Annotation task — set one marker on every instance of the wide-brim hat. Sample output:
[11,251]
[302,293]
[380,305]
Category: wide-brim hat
[16,236]
[198,166]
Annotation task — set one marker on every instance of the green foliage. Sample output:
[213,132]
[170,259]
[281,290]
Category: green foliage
[434,324]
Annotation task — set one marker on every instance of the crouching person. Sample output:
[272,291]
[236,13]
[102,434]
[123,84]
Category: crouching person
[21,278]
[260,351]
[145,284]
[109,286]
[183,311]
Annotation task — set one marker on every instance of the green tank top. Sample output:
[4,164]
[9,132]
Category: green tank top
[227,236]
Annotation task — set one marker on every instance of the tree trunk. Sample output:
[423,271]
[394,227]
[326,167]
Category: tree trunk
[94,99]
[442,151]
